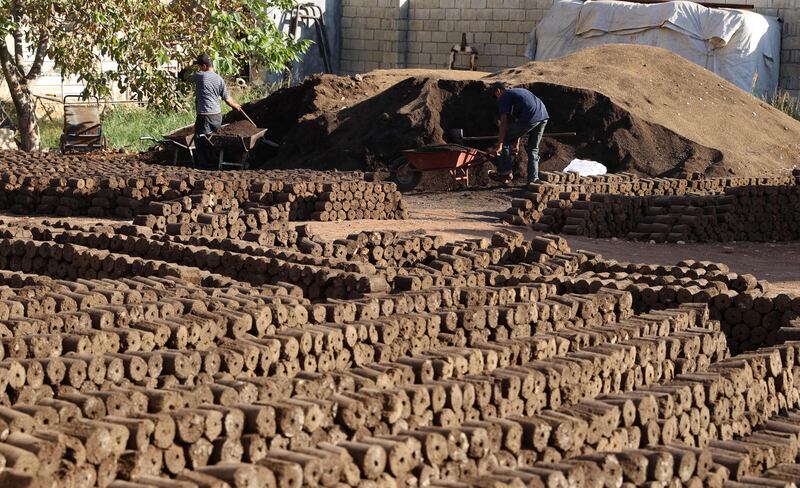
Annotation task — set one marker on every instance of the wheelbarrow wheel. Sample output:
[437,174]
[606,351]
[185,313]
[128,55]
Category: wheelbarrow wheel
[405,175]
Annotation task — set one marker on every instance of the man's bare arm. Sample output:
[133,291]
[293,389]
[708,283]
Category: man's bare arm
[232,104]
[501,137]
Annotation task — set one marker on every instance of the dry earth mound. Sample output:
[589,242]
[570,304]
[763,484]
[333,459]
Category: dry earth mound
[634,108]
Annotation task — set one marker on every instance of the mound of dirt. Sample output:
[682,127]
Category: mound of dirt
[634,108]
[669,112]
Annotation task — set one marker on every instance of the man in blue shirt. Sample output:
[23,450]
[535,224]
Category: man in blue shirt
[521,113]
[209,88]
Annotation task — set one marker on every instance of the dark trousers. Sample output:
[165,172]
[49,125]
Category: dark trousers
[514,131]
[205,156]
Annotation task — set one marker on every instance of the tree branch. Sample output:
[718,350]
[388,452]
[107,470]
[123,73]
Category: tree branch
[11,75]
[19,58]
[38,59]
[19,55]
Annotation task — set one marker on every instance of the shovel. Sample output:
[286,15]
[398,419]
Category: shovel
[248,118]
[458,135]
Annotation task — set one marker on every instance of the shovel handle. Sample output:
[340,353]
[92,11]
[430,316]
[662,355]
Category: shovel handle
[248,117]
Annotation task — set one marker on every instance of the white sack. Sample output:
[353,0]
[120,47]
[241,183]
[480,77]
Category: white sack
[586,167]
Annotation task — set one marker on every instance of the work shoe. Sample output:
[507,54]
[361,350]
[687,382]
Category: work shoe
[506,178]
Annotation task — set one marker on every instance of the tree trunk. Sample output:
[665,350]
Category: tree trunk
[24,104]
[19,86]
[27,124]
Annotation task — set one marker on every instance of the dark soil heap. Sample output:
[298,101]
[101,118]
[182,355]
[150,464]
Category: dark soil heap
[634,108]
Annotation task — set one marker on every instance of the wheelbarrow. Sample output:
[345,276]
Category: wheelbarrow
[180,142]
[453,158]
[234,149]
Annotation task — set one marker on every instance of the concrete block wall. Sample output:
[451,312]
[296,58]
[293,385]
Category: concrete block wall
[420,33]
[374,34]
[497,29]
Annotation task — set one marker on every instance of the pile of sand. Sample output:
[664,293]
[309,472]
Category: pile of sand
[634,108]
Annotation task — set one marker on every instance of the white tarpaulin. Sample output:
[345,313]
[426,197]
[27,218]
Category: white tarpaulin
[738,45]
[586,167]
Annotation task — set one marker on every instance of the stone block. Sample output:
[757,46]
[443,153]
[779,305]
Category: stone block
[517,60]
[437,14]
[469,14]
[420,13]
[478,26]
[430,48]
[499,37]
[500,61]
[790,69]
[499,14]
[517,39]
[485,14]
[440,60]
[430,25]
[439,36]
[483,38]
[454,37]
[494,26]
[790,42]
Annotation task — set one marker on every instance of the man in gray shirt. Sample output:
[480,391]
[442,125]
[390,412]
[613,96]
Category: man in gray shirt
[209,88]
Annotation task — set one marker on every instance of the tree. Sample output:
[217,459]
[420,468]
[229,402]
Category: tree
[141,36]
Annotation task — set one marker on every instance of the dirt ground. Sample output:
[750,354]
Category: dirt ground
[474,213]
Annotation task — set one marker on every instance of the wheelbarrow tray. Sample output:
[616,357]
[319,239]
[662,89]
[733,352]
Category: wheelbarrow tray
[183,136]
[440,158]
[237,141]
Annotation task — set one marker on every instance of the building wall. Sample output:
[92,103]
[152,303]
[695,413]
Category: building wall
[372,37]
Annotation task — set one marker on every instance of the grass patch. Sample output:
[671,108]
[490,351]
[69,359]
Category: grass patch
[124,126]
[785,102]
[50,130]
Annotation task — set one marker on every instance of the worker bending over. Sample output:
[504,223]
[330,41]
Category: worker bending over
[209,88]
[521,113]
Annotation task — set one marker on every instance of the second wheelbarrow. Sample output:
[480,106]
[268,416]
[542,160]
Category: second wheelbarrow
[453,158]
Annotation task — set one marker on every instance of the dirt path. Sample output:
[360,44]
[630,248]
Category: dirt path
[466,214]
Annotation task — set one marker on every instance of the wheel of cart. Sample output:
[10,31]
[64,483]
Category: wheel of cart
[404,174]
[456,159]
